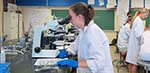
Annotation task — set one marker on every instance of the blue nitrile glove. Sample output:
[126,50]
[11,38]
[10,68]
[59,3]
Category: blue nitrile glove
[69,63]
[63,53]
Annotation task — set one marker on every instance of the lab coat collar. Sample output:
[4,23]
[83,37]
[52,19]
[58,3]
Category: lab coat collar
[139,18]
[90,23]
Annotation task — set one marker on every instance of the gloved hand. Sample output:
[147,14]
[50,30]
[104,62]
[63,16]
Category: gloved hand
[69,63]
[63,53]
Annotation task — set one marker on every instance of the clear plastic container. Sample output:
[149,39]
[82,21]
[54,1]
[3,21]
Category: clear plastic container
[1,41]
[2,56]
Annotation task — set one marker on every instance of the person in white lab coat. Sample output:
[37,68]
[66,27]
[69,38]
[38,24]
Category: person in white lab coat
[134,40]
[123,38]
[91,45]
[145,47]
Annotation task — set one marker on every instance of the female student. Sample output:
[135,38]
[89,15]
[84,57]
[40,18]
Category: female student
[134,40]
[91,45]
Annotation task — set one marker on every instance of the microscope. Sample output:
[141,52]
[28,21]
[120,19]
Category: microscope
[44,47]
[46,35]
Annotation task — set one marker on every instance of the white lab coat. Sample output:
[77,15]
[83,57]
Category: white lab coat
[134,41]
[123,38]
[144,53]
[92,45]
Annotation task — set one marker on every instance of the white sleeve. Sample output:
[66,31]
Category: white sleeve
[138,29]
[123,39]
[142,40]
[73,46]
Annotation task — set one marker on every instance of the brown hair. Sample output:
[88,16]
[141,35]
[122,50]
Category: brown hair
[86,10]
[128,20]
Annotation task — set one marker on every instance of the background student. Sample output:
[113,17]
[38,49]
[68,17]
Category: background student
[123,38]
[134,40]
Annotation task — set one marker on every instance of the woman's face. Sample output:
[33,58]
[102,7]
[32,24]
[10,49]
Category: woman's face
[76,19]
[144,15]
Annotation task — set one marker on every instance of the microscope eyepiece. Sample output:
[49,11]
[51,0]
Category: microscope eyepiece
[65,20]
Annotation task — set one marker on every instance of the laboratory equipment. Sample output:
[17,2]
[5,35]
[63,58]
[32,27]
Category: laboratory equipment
[43,39]
[45,35]
[2,56]
[47,41]
[65,20]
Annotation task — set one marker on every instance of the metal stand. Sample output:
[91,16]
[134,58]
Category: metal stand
[144,63]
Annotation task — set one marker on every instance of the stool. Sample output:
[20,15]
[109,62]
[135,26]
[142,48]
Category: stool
[120,62]
[144,63]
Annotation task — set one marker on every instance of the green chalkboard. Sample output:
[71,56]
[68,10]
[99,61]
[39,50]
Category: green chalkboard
[60,13]
[148,21]
[103,18]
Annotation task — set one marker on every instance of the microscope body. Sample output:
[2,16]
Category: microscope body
[44,48]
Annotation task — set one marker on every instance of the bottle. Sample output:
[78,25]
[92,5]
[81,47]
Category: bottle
[1,41]
[3,55]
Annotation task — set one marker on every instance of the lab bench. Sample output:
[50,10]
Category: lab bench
[24,63]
